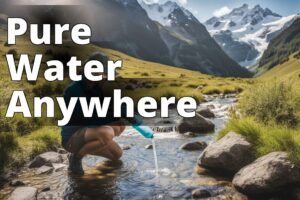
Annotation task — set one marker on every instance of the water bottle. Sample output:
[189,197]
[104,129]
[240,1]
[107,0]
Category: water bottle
[146,131]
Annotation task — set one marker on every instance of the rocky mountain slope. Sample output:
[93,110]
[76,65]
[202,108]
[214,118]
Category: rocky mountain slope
[190,45]
[244,33]
[281,48]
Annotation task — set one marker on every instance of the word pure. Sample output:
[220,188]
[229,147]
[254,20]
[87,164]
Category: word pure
[80,33]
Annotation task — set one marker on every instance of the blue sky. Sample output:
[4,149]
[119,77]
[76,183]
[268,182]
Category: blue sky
[204,9]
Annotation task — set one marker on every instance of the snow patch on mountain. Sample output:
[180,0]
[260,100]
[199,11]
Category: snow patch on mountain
[162,13]
[254,26]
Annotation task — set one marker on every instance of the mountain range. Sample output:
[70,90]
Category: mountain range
[244,33]
[190,45]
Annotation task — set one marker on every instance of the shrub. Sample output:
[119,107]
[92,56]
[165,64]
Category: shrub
[145,74]
[7,145]
[266,138]
[175,84]
[274,101]
[23,127]
[43,90]
[211,90]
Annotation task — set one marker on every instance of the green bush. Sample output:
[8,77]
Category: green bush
[43,90]
[24,127]
[8,143]
[266,138]
[273,101]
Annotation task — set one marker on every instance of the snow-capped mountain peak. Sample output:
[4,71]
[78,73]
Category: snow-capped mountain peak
[162,13]
[248,30]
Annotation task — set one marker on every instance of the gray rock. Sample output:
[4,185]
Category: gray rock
[58,167]
[229,154]
[46,189]
[125,147]
[197,124]
[16,183]
[24,193]
[46,159]
[190,134]
[267,174]
[149,146]
[44,170]
[194,146]
[61,151]
[205,112]
[200,193]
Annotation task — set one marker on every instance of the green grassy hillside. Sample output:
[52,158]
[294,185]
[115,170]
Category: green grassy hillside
[289,70]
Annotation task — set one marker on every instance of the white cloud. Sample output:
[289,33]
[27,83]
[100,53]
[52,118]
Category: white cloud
[222,11]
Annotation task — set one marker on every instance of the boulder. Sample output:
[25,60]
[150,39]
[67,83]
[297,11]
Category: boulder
[58,167]
[16,183]
[200,194]
[197,124]
[24,193]
[229,154]
[46,159]
[44,170]
[149,146]
[194,146]
[205,112]
[268,174]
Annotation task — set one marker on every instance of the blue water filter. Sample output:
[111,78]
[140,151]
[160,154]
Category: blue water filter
[146,131]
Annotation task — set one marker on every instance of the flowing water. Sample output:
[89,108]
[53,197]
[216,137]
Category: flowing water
[155,157]
[135,177]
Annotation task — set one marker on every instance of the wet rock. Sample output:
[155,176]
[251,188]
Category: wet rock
[61,151]
[46,189]
[58,167]
[5,178]
[130,87]
[46,159]
[200,193]
[268,174]
[16,183]
[194,146]
[125,147]
[205,112]
[211,106]
[190,134]
[149,146]
[229,154]
[24,193]
[48,195]
[197,124]
[44,170]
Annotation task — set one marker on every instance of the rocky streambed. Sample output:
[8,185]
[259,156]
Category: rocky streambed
[183,173]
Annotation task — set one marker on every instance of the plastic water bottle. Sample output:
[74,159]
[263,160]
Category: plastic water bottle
[146,131]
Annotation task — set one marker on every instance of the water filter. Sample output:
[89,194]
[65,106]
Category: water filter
[146,131]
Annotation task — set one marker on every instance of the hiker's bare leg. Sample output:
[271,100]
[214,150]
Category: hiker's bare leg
[99,141]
